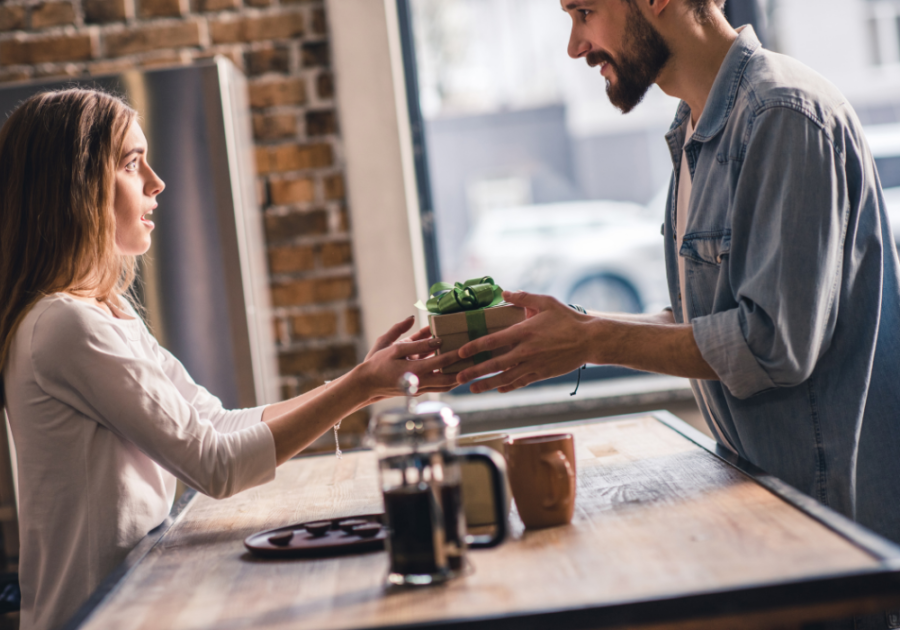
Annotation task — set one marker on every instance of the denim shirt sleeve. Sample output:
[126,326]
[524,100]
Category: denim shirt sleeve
[789,214]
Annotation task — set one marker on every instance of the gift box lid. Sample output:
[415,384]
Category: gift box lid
[495,317]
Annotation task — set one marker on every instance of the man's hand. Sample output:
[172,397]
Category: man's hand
[554,340]
[551,341]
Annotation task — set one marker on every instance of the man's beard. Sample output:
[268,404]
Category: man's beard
[644,56]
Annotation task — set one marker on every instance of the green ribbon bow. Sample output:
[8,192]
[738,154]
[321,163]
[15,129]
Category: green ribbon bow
[470,295]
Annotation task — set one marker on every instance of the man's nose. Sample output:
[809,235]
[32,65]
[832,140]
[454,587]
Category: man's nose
[578,46]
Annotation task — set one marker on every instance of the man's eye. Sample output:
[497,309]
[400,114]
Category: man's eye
[584,13]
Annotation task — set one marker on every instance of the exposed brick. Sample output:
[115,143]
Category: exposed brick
[234,53]
[152,37]
[352,321]
[315,54]
[335,254]
[105,11]
[321,123]
[164,58]
[315,291]
[274,126]
[289,226]
[290,259]
[318,21]
[274,59]
[270,93]
[162,8]
[52,14]
[57,72]
[287,191]
[292,157]
[19,74]
[113,66]
[314,325]
[256,28]
[334,186]
[35,50]
[12,18]
[216,5]
[325,85]
[317,360]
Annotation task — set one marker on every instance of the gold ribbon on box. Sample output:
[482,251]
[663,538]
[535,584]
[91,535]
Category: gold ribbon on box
[470,297]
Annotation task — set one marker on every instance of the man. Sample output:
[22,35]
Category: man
[782,272]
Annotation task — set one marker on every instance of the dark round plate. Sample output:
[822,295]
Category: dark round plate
[278,543]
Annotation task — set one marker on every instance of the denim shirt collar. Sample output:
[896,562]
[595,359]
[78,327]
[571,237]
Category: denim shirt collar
[722,96]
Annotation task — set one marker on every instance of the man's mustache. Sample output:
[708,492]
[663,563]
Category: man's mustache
[596,57]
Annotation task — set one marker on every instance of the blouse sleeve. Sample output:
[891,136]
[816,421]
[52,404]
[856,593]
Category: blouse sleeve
[86,363]
[207,405]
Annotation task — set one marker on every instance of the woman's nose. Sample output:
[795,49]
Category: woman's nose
[155,185]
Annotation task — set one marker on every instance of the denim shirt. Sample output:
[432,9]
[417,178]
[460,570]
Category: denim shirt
[791,283]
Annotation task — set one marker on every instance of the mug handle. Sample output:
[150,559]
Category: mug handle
[497,467]
[562,474]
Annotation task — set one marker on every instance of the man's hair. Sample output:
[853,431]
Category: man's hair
[59,152]
[703,8]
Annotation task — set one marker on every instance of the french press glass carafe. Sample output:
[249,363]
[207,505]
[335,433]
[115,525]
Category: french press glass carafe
[420,479]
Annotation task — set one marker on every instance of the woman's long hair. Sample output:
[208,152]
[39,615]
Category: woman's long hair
[58,157]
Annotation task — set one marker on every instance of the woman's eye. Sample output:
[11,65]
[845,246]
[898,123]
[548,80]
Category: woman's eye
[131,166]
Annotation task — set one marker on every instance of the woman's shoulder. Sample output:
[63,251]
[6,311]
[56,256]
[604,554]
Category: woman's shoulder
[59,320]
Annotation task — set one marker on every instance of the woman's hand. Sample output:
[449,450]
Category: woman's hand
[389,359]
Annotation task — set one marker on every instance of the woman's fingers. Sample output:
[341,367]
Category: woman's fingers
[404,349]
[394,333]
[422,333]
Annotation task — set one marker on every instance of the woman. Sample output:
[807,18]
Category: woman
[104,420]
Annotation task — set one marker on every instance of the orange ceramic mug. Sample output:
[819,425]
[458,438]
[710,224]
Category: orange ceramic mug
[541,471]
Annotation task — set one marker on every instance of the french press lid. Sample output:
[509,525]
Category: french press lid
[416,424]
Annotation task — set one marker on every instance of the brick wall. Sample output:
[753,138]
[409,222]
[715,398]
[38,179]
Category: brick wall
[282,46]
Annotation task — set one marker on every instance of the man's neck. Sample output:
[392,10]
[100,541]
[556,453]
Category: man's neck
[698,51]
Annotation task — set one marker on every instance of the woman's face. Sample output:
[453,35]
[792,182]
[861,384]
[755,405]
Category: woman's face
[136,189]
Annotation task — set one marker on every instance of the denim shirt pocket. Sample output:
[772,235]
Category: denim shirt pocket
[703,253]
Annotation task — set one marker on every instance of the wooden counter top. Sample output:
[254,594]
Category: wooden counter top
[666,533]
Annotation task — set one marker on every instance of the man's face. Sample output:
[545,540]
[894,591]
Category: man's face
[615,35]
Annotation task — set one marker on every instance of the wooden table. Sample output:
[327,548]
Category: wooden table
[668,533]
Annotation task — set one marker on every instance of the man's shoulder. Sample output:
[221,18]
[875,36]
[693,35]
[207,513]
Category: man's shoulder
[773,81]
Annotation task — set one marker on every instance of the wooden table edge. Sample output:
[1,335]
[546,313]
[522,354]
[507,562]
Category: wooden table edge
[882,586]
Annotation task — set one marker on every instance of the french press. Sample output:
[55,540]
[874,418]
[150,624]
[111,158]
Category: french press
[420,479]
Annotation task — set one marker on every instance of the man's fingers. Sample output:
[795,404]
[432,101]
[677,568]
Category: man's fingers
[498,381]
[506,337]
[528,300]
[501,363]
[519,383]
[438,361]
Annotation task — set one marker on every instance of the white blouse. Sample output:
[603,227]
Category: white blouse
[103,421]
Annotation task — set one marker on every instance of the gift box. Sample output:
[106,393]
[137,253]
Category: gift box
[457,329]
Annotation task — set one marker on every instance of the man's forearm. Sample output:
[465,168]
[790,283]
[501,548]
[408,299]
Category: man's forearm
[645,344]
[661,317]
